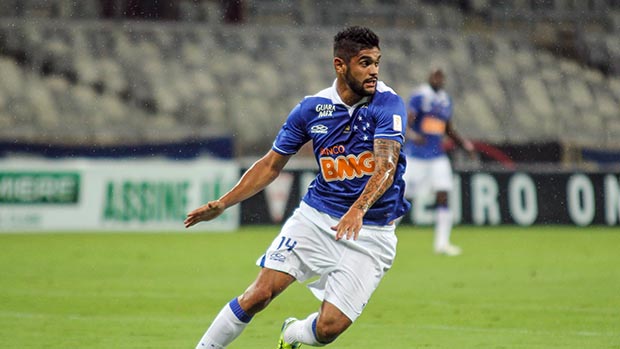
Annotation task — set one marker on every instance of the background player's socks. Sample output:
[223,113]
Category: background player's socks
[303,331]
[227,326]
[443,226]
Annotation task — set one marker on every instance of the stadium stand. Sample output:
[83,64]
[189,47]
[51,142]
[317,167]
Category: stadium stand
[71,77]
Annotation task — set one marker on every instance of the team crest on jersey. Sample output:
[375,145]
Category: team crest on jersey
[325,109]
[322,129]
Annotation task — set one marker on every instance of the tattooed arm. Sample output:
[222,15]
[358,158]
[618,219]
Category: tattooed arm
[386,154]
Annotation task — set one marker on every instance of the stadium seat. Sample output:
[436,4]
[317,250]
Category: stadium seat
[194,76]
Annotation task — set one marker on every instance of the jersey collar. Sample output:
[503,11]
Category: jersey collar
[335,97]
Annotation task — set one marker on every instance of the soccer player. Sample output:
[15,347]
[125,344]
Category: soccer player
[428,167]
[343,231]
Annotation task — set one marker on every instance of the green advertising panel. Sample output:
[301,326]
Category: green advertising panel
[39,187]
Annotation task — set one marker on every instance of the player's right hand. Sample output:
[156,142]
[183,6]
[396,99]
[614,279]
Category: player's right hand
[350,224]
[206,212]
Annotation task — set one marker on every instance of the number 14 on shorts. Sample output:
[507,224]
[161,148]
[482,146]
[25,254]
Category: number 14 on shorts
[288,242]
[279,253]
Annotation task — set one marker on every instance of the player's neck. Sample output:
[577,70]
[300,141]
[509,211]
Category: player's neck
[347,95]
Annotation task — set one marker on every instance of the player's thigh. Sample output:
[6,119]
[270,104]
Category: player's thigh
[442,174]
[301,249]
[360,270]
[350,286]
[417,172]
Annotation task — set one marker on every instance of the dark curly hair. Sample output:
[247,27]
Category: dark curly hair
[350,41]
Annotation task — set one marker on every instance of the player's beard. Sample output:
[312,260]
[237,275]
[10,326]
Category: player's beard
[356,86]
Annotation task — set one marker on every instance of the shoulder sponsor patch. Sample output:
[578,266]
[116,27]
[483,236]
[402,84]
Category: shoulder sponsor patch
[398,123]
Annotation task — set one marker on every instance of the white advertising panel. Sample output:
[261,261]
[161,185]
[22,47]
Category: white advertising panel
[120,195]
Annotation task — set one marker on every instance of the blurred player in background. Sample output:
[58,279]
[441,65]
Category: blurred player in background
[428,167]
[343,230]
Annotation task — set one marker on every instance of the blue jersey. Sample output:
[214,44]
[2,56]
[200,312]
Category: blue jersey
[342,138]
[433,110]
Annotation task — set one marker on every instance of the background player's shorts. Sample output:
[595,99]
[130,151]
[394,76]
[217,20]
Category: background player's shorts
[349,270]
[424,175]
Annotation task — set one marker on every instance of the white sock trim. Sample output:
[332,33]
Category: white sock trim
[302,331]
[224,329]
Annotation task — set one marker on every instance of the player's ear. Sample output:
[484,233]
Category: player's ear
[339,65]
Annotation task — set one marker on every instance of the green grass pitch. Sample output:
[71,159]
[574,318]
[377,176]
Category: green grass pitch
[537,287]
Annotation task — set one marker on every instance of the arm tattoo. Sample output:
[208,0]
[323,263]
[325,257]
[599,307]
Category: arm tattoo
[386,153]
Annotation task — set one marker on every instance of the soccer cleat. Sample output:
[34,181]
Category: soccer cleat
[449,250]
[282,344]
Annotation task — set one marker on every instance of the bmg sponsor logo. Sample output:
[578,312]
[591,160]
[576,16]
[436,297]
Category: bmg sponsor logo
[347,167]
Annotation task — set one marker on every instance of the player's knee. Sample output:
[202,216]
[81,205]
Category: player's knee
[442,198]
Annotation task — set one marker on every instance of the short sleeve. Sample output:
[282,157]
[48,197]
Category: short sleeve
[415,103]
[391,119]
[292,135]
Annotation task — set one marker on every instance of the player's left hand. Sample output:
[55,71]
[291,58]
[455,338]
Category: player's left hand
[350,224]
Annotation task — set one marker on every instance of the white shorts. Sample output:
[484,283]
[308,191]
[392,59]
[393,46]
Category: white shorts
[349,270]
[424,175]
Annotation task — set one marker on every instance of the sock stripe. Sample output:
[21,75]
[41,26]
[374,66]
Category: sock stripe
[239,313]
[314,328]
[318,341]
